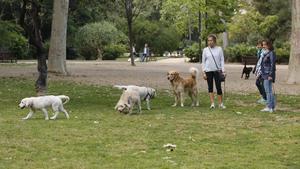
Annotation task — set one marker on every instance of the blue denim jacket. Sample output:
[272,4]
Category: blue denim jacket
[268,65]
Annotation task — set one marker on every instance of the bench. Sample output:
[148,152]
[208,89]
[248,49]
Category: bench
[7,56]
[249,60]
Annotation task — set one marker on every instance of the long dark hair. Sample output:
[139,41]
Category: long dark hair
[269,44]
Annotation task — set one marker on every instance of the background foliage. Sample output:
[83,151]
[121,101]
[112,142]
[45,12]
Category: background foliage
[166,25]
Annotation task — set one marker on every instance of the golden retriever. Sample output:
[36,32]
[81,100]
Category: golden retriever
[181,86]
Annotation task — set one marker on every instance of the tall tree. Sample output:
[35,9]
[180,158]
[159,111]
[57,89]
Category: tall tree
[129,16]
[57,50]
[182,13]
[294,63]
[31,23]
[133,8]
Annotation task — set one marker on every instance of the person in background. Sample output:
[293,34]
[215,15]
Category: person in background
[134,51]
[268,69]
[259,80]
[212,61]
[146,53]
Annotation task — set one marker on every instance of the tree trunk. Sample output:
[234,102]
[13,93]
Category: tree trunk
[31,23]
[57,50]
[99,55]
[41,82]
[129,16]
[225,40]
[294,62]
[130,43]
[200,36]
[225,35]
[190,29]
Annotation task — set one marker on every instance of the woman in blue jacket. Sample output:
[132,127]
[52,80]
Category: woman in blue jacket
[268,68]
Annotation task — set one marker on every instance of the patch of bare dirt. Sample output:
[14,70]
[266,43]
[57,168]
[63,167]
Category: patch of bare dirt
[149,74]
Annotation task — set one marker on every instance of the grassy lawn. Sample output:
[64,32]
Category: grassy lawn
[96,136]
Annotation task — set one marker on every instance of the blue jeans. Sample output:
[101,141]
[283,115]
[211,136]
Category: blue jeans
[144,56]
[260,86]
[269,93]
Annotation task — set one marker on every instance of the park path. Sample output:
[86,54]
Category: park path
[146,73]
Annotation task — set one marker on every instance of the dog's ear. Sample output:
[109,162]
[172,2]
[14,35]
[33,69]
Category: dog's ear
[176,74]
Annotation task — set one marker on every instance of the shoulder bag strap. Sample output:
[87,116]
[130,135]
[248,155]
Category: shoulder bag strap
[213,58]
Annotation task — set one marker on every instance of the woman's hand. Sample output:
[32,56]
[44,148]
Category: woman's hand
[204,76]
[224,74]
[270,78]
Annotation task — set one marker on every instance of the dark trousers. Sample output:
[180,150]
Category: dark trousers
[260,86]
[210,82]
[145,57]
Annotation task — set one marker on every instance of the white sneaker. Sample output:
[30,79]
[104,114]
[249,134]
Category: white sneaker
[266,109]
[271,110]
[212,106]
[262,101]
[221,106]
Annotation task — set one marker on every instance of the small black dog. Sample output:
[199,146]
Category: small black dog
[246,71]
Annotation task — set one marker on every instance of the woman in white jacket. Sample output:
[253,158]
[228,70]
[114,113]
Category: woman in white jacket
[212,63]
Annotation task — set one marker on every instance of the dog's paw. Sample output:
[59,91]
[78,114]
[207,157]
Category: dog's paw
[182,105]
[52,118]
[174,105]
[24,118]
[46,118]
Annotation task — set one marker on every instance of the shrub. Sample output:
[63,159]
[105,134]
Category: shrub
[13,40]
[159,37]
[112,52]
[91,39]
[282,54]
[235,53]
[282,50]
[192,52]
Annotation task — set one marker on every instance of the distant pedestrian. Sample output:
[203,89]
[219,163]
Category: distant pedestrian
[146,53]
[134,51]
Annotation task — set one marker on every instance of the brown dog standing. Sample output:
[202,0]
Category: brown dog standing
[181,86]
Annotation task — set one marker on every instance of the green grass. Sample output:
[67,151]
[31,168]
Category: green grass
[96,136]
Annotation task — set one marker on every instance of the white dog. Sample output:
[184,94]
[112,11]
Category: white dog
[128,99]
[146,93]
[42,102]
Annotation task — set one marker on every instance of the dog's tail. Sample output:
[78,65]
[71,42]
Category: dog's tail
[121,87]
[64,98]
[194,72]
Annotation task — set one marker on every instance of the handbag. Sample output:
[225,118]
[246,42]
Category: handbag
[221,74]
